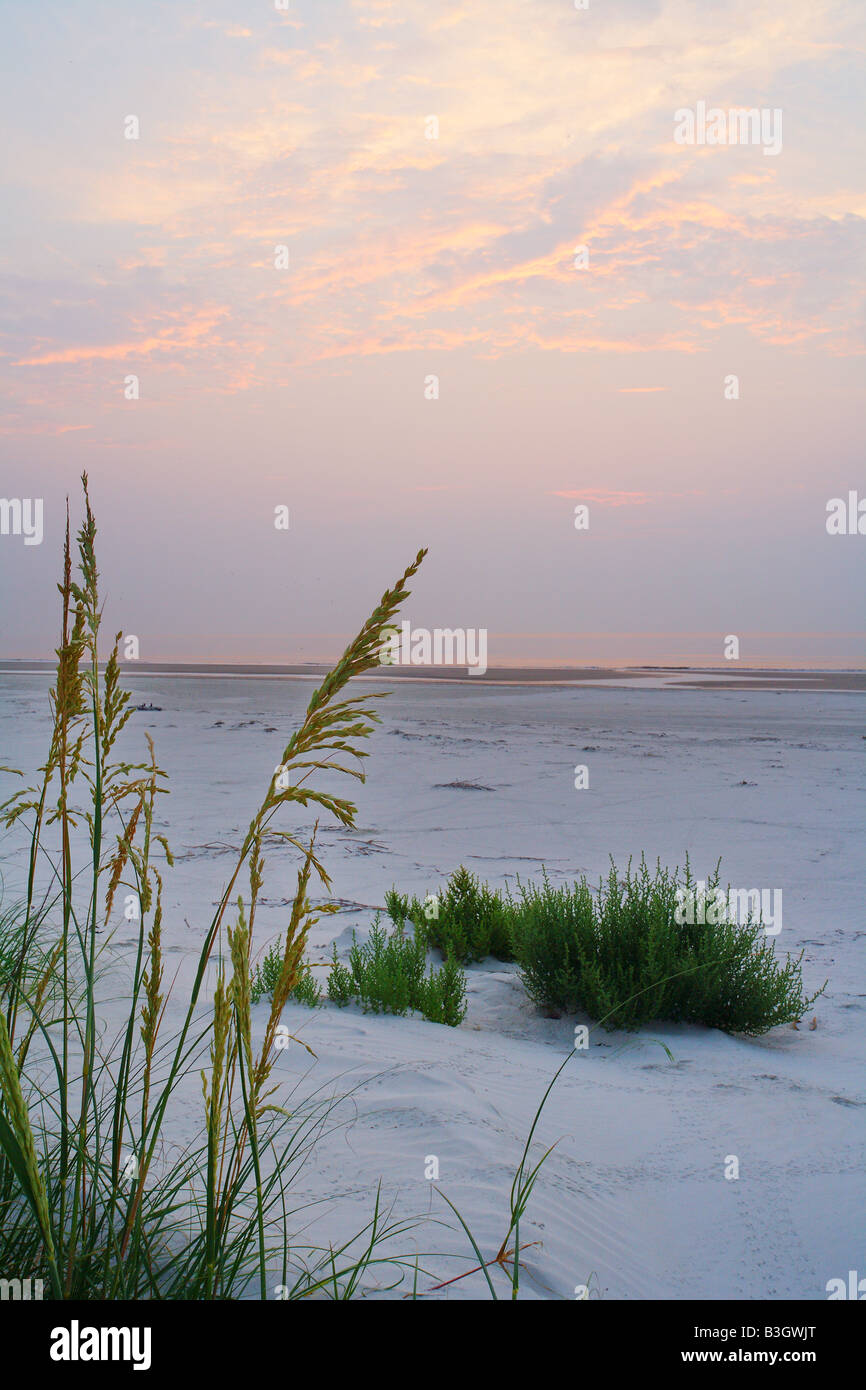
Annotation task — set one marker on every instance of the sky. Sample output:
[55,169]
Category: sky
[342,263]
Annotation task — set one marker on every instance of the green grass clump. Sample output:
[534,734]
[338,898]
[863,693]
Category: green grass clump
[621,956]
[618,952]
[467,920]
[388,974]
[266,977]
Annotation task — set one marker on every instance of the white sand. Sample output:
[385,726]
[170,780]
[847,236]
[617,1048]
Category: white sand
[635,1192]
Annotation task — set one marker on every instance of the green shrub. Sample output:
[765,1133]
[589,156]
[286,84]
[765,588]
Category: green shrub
[266,977]
[387,974]
[618,953]
[468,920]
[623,958]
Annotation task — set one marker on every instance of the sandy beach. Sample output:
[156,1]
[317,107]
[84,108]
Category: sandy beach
[634,1201]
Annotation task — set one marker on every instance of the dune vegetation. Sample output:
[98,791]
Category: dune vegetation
[619,952]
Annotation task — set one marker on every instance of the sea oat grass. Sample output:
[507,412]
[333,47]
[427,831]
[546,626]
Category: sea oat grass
[16,1136]
[109,1215]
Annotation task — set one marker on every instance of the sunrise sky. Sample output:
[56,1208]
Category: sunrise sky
[411,257]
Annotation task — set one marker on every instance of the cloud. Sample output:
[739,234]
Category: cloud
[553,133]
[229,31]
[605,497]
[194,331]
[612,497]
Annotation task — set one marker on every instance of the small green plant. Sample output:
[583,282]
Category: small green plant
[388,974]
[467,920]
[266,977]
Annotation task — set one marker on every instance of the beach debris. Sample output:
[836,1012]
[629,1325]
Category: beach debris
[462,787]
